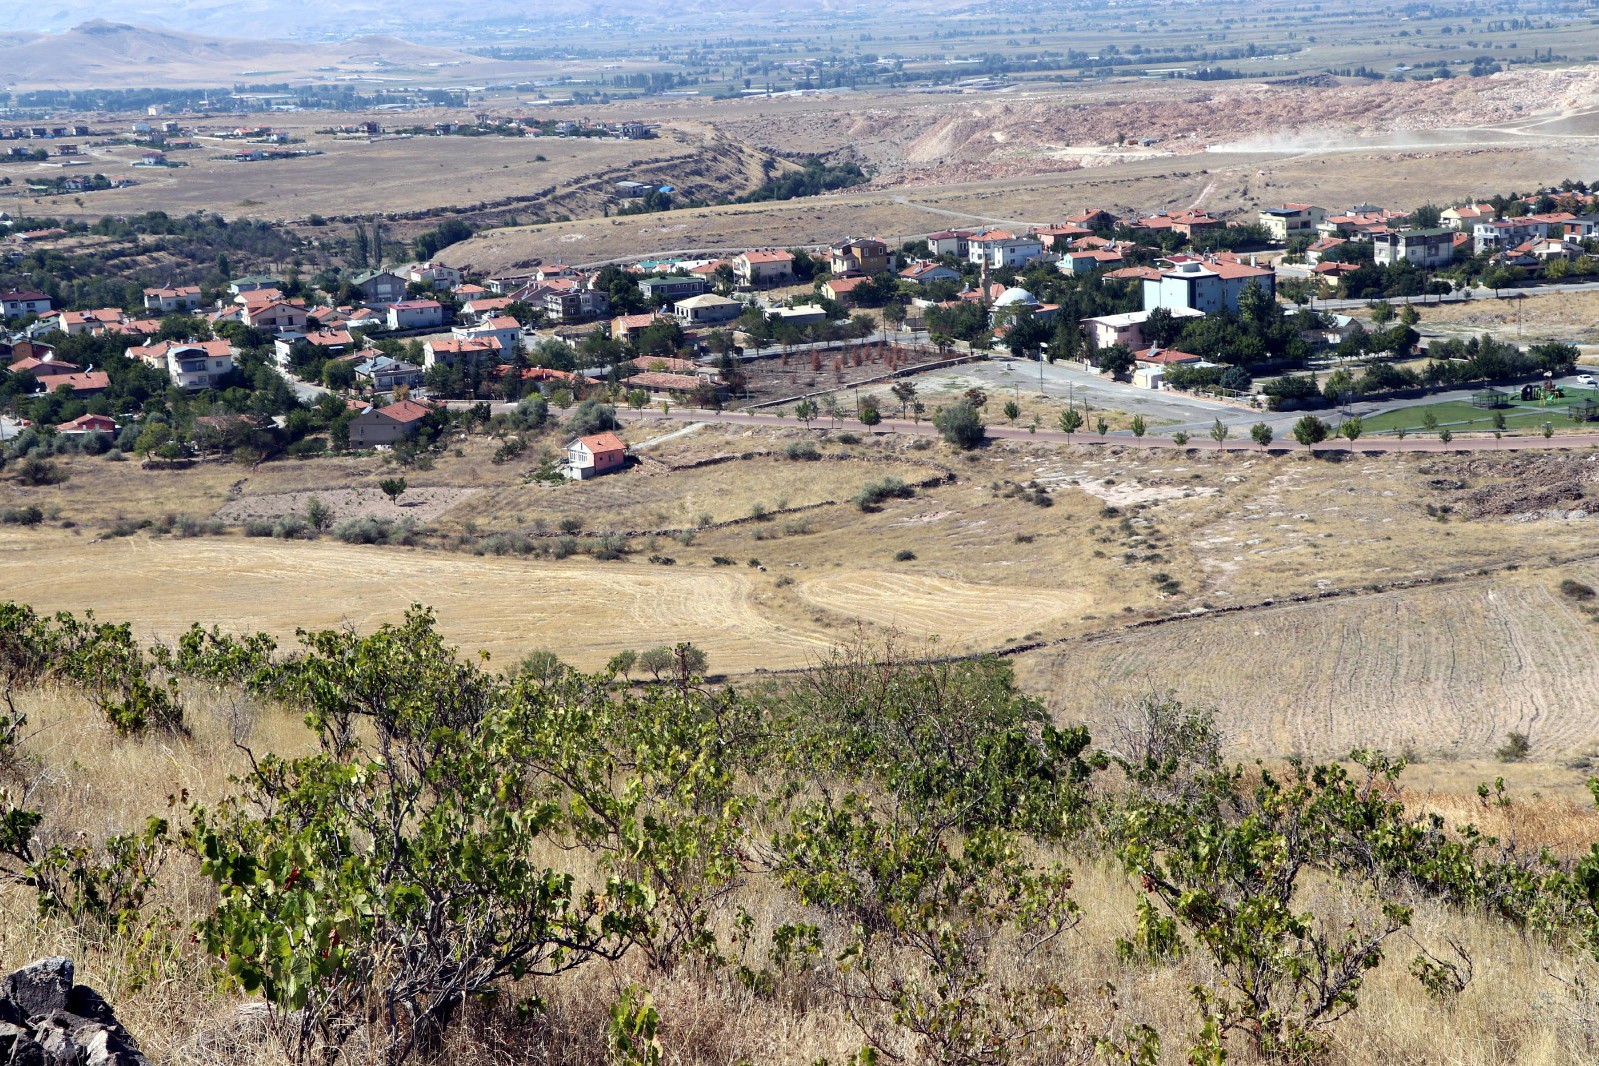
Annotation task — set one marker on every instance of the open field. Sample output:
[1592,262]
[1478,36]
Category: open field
[525,176]
[1127,536]
[1443,672]
[1572,317]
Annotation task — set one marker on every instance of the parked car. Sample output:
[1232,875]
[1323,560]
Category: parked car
[1587,379]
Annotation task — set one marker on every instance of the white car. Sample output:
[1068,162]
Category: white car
[1587,379]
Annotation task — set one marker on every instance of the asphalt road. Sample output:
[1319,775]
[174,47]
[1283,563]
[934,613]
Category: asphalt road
[1127,440]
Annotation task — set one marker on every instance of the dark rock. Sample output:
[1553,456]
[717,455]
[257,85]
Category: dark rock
[103,1048]
[41,987]
[27,1053]
[9,1035]
[85,1002]
[10,1012]
[61,1047]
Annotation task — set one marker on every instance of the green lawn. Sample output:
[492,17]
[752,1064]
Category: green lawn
[1461,417]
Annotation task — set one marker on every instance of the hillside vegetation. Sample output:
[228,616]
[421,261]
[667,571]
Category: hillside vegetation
[418,857]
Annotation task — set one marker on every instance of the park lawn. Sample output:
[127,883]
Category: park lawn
[1461,417]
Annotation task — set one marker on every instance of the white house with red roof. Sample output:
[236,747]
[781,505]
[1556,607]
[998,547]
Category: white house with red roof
[764,267]
[170,298]
[416,314]
[591,456]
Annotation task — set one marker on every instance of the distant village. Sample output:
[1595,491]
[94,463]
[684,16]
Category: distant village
[1115,294]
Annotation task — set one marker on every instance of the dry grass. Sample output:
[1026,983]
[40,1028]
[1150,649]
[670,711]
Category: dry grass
[1561,316]
[1436,669]
[1512,1011]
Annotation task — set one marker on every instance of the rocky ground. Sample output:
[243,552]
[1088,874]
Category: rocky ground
[47,1019]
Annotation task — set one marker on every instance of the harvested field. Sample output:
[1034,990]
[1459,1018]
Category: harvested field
[1445,671]
[928,607]
[586,611]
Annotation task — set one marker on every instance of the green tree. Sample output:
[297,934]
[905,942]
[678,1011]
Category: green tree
[1219,432]
[959,424]
[1012,410]
[393,488]
[1261,434]
[1310,430]
[1071,420]
[1139,426]
[1351,429]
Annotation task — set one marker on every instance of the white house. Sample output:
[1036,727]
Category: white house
[1002,250]
[591,456]
[1206,285]
[436,276]
[172,298]
[416,314]
[504,330]
[199,365]
[19,304]
[1423,247]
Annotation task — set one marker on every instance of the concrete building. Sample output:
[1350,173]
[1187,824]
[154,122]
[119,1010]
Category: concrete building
[1423,247]
[1206,285]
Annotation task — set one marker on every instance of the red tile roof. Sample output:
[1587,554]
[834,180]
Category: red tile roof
[601,443]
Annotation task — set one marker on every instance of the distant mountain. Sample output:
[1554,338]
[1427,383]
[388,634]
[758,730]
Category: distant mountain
[103,54]
[319,20]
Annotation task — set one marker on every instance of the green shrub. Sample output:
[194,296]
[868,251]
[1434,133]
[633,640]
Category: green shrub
[22,516]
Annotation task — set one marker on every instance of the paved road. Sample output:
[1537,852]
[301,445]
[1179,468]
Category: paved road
[307,392]
[1127,440]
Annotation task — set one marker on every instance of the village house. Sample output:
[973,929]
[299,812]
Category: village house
[1506,233]
[670,288]
[1103,331]
[840,288]
[42,367]
[87,383]
[253,282]
[276,316]
[1093,219]
[660,383]
[1321,247]
[1466,218]
[380,287]
[168,300]
[858,256]
[415,314]
[999,250]
[453,351]
[576,304]
[1206,285]
[85,424]
[378,427]
[1086,262]
[504,331]
[190,364]
[436,276]
[626,328]
[801,316]
[329,343]
[706,309]
[1427,248]
[1285,223]
[1058,238]
[483,307]
[762,268]
[385,374]
[591,456]
[927,273]
[21,304]
[949,242]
